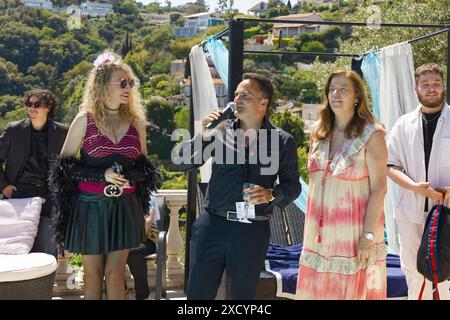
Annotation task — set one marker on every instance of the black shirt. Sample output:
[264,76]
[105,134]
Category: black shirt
[35,170]
[233,164]
[429,123]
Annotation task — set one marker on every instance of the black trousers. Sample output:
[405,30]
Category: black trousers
[217,245]
[44,241]
[138,267]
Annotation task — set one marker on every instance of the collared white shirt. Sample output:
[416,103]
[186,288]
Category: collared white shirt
[406,151]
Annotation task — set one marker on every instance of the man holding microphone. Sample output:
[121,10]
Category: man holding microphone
[248,149]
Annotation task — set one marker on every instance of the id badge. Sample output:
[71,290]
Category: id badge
[245,211]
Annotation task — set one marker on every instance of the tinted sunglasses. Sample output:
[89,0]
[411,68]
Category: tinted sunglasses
[123,83]
[36,104]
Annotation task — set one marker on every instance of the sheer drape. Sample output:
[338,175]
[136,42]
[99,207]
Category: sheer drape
[203,95]
[397,97]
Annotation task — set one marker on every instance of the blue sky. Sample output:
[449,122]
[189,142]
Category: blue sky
[242,5]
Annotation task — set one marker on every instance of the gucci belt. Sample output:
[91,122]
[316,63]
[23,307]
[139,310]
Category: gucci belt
[111,190]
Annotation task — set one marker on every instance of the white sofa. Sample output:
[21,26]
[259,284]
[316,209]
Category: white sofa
[23,275]
[27,277]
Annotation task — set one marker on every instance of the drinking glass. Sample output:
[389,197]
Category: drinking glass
[246,198]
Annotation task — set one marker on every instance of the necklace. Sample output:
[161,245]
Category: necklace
[430,120]
[111,109]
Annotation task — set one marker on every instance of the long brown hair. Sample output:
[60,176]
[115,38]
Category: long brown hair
[362,114]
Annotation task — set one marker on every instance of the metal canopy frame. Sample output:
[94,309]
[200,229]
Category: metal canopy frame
[236,50]
[235,70]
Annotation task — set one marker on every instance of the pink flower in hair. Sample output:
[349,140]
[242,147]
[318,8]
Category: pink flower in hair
[105,57]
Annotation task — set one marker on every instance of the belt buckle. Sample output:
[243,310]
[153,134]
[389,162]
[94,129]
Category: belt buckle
[111,190]
[231,219]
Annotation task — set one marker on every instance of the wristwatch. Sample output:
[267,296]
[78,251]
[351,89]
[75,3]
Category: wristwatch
[272,195]
[368,235]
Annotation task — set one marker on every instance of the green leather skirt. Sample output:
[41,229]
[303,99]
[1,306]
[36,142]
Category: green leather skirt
[99,224]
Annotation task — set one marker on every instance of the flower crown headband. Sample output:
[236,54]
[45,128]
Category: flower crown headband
[104,58]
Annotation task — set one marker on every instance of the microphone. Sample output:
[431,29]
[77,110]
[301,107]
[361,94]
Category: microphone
[231,106]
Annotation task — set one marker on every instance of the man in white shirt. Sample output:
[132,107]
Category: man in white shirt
[419,162]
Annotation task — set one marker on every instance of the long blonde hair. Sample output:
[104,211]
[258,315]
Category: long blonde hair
[96,91]
[362,114]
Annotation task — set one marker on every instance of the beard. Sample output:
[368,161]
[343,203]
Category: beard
[431,103]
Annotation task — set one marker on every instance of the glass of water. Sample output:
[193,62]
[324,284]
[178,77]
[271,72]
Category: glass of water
[246,198]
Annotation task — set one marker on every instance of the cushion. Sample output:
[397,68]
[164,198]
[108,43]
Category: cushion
[19,220]
[26,267]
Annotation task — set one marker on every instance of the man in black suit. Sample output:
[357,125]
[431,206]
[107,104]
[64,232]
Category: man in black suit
[248,149]
[28,147]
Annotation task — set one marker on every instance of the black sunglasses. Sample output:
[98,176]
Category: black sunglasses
[36,104]
[123,83]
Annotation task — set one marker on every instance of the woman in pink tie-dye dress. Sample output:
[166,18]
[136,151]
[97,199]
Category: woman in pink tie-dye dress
[344,254]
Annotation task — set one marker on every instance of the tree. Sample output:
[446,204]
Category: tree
[291,124]
[277,8]
[45,72]
[158,38]
[70,106]
[154,7]
[126,46]
[127,7]
[19,44]
[364,39]
[202,4]
[197,7]
[141,59]
[161,145]
[182,118]
[14,115]
[80,70]
[9,103]
[161,112]
[9,4]
[312,46]
[168,5]
[57,23]
[300,86]
[302,154]
[106,33]
[226,8]
[63,53]
[11,80]
[177,19]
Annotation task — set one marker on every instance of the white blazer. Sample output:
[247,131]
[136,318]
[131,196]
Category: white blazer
[406,150]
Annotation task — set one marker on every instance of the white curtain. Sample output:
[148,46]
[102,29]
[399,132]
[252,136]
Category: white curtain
[397,97]
[204,96]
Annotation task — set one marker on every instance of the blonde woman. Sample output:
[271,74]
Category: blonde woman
[103,219]
[344,254]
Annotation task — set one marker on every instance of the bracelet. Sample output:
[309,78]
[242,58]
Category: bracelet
[368,235]
[271,195]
